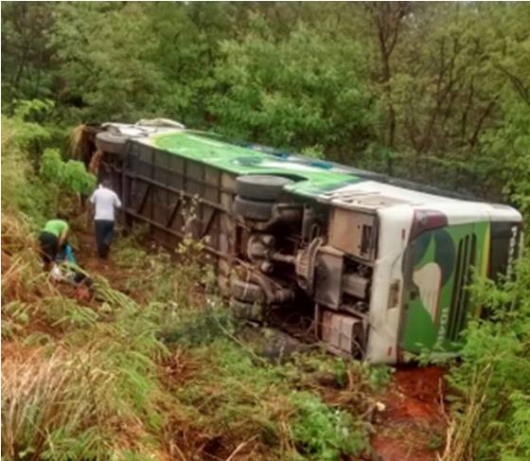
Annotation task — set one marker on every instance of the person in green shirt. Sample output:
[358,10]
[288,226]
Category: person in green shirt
[51,239]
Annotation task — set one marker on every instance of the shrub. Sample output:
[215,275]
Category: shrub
[22,191]
[72,175]
[324,433]
[491,412]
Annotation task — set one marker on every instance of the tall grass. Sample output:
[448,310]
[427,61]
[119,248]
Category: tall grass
[89,403]
[92,391]
[49,406]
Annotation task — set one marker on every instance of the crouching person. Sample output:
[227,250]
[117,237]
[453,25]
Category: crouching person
[51,240]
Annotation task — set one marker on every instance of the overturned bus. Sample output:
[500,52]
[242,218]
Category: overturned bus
[377,267]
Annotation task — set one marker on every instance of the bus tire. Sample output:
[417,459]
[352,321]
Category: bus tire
[263,188]
[247,292]
[110,142]
[251,209]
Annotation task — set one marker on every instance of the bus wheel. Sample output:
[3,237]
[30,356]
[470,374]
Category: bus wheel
[263,188]
[247,292]
[252,209]
[110,142]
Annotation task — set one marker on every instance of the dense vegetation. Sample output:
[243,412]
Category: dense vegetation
[435,92]
[439,93]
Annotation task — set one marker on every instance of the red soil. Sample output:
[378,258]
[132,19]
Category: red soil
[412,426]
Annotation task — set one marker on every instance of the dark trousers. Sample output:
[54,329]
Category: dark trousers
[104,234]
[49,244]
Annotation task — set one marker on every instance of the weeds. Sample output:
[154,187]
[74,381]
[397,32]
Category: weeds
[66,314]
[70,405]
[240,394]
[94,377]
[76,398]
[47,400]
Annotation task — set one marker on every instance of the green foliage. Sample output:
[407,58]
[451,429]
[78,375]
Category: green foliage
[313,152]
[51,167]
[380,376]
[33,111]
[518,448]
[66,314]
[436,93]
[324,433]
[316,99]
[26,31]
[18,191]
[238,390]
[77,179]
[71,175]
[23,139]
[492,382]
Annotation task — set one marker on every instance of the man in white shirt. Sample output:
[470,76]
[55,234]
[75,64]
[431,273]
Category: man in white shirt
[105,202]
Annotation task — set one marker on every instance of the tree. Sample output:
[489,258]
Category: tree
[305,91]
[27,58]
[433,92]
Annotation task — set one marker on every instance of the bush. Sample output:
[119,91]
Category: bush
[22,190]
[492,411]
[324,433]
[72,175]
